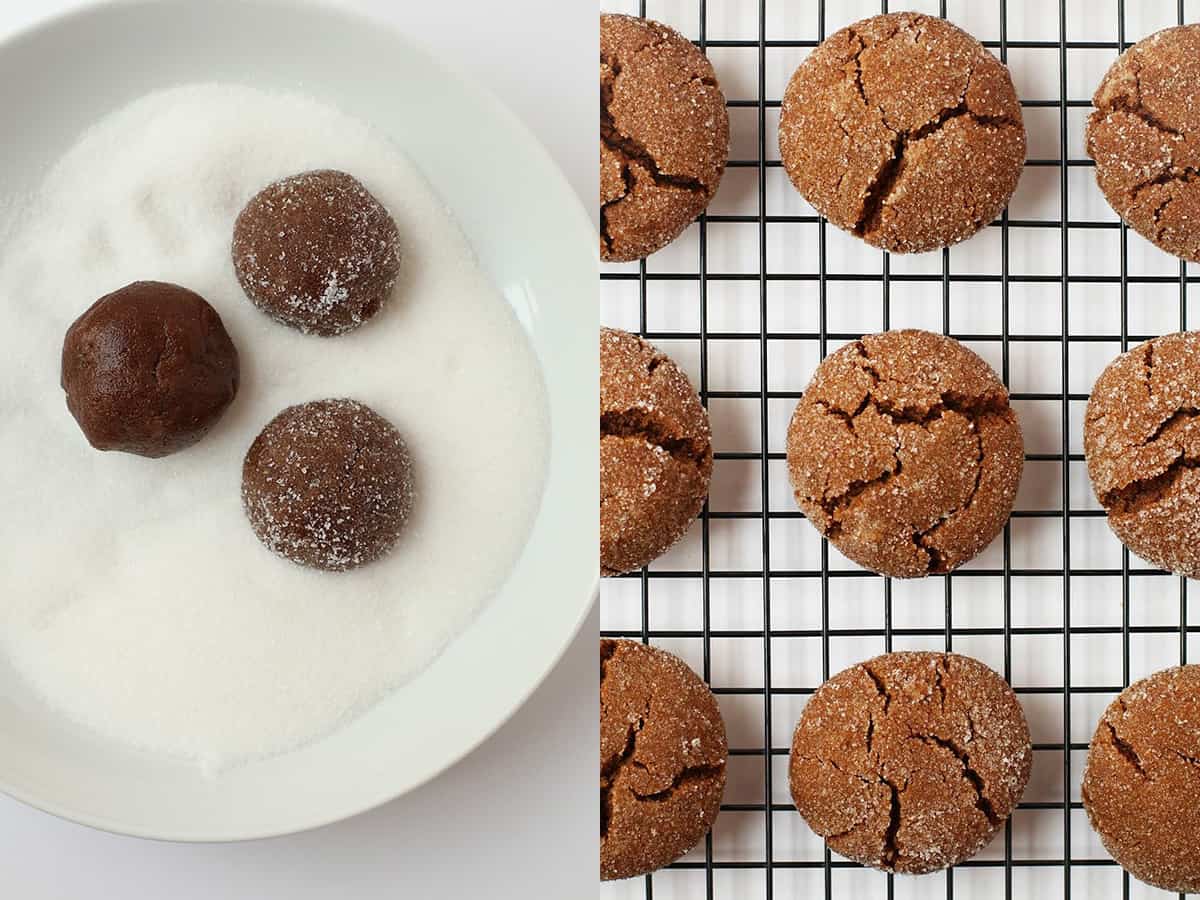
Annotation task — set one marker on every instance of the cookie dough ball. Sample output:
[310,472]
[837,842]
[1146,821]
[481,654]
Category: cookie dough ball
[905,453]
[910,762]
[1145,139]
[328,485]
[317,252]
[664,136]
[903,130]
[655,452]
[1142,777]
[662,759]
[1141,438]
[148,369]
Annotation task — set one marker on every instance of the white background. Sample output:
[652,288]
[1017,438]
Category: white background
[516,818]
[733,361]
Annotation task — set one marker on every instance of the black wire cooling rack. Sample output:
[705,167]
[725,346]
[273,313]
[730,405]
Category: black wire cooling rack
[819,578]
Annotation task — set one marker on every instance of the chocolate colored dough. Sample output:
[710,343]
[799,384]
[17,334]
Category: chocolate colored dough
[905,453]
[328,484]
[1142,776]
[664,136]
[903,130]
[317,252]
[662,759]
[1145,138]
[148,369]
[1141,438]
[910,762]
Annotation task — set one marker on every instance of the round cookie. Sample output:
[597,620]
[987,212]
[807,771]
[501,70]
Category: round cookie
[655,452]
[664,136]
[662,759]
[910,762]
[148,369]
[1141,438]
[328,484]
[903,130]
[317,252]
[905,453]
[1145,138]
[1141,779]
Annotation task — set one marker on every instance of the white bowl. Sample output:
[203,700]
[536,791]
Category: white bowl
[534,240]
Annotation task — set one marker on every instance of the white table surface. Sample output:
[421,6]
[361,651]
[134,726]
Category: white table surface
[516,818]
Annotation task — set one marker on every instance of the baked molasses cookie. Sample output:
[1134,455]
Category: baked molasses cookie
[1141,438]
[655,452]
[148,369]
[1145,138]
[905,453]
[1142,777]
[903,130]
[317,252]
[662,759]
[664,136]
[910,762]
[328,484]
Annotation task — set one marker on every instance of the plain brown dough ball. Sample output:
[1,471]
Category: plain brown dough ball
[317,252]
[655,452]
[1145,139]
[664,136]
[905,453]
[662,759]
[1142,778]
[148,369]
[1141,438]
[910,762]
[903,130]
[328,484]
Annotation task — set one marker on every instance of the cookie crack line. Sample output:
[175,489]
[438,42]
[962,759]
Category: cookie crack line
[970,775]
[609,772]
[686,775]
[883,184]
[1136,107]
[1145,492]
[638,423]
[974,411]
[1126,749]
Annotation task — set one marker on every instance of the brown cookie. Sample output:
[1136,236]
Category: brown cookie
[903,130]
[148,369]
[655,452]
[1142,777]
[1141,437]
[905,453]
[662,759]
[328,484]
[664,136]
[317,252]
[1145,138]
[910,762]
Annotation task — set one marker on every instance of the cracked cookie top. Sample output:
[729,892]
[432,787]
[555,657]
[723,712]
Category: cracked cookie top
[1142,777]
[1145,138]
[664,136]
[1141,437]
[662,759]
[655,452]
[903,130]
[905,453]
[910,762]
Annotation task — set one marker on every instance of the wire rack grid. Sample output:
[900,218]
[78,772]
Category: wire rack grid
[750,299]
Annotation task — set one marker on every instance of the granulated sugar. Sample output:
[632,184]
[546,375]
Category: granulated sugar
[134,597]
